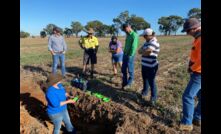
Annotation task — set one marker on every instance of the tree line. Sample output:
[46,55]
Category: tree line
[167,25]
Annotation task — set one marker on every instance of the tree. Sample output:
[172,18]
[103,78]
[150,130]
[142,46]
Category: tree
[176,22]
[24,34]
[138,23]
[120,20]
[49,29]
[97,26]
[43,34]
[112,30]
[195,13]
[164,25]
[68,32]
[76,27]
[170,24]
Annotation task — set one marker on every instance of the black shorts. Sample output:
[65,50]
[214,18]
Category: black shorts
[90,56]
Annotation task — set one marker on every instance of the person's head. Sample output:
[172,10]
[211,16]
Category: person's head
[126,28]
[191,26]
[148,34]
[56,30]
[114,39]
[90,32]
[54,79]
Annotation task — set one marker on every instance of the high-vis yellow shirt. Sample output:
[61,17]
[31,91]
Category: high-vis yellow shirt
[90,42]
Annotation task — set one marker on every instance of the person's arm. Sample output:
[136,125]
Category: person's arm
[147,52]
[134,45]
[50,45]
[96,45]
[81,42]
[70,101]
[109,48]
[118,47]
[65,46]
[197,63]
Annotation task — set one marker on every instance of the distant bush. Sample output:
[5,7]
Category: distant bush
[24,34]
[43,34]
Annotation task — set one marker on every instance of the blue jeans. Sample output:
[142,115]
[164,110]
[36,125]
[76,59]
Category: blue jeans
[117,58]
[58,118]
[56,57]
[128,63]
[148,74]
[193,89]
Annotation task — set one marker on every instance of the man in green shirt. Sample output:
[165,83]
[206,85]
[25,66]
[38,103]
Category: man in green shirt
[131,43]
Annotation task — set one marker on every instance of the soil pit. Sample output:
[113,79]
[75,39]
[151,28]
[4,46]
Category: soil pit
[91,115]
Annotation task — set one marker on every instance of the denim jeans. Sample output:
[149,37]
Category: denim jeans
[193,89]
[148,74]
[57,120]
[128,64]
[56,57]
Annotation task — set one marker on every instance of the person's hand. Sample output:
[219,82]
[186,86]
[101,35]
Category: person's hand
[189,70]
[64,52]
[52,52]
[70,101]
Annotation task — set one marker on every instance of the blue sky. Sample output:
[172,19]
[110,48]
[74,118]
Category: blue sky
[36,14]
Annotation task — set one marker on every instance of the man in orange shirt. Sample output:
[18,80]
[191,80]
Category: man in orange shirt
[190,115]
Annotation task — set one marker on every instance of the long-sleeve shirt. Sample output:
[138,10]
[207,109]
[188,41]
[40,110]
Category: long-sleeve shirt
[195,57]
[54,97]
[131,44]
[57,43]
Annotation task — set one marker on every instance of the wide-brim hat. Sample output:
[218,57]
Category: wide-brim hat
[90,31]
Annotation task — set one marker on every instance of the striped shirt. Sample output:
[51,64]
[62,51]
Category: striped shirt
[151,60]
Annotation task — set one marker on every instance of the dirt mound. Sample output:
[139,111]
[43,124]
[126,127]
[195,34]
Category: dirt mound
[29,124]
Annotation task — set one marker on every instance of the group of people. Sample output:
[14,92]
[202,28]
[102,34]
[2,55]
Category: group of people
[58,99]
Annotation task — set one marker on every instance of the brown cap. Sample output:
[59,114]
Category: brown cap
[190,24]
[53,79]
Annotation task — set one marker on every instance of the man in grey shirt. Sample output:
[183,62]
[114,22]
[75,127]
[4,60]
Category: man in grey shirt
[57,47]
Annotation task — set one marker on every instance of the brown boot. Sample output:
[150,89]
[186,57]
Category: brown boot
[184,127]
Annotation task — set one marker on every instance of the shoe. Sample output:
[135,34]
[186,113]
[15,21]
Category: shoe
[152,103]
[127,87]
[196,122]
[184,127]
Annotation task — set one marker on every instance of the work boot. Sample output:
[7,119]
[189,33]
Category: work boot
[184,127]
[197,122]
[127,87]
